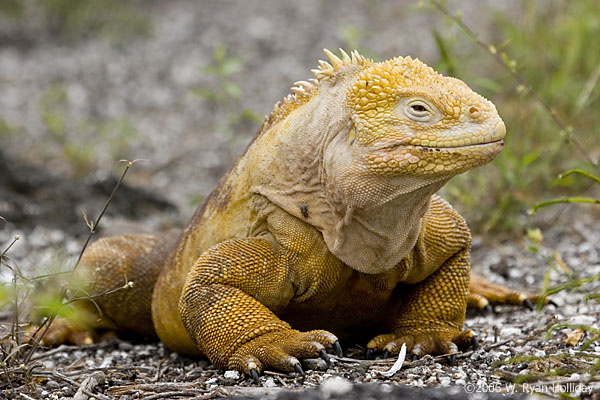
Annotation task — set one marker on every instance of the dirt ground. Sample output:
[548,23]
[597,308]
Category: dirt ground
[189,140]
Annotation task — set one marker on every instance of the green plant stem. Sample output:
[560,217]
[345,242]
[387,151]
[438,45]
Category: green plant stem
[563,200]
[566,129]
[580,172]
[568,285]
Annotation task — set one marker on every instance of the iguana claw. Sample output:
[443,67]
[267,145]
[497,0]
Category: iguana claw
[475,343]
[337,348]
[299,369]
[254,375]
[324,356]
[452,360]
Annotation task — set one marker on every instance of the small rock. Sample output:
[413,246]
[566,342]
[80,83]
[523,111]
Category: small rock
[232,374]
[269,383]
[539,353]
[445,381]
[52,385]
[106,362]
[510,331]
[386,388]
[582,320]
[125,346]
[336,387]
[417,383]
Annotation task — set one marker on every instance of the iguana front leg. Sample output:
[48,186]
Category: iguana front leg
[228,304]
[431,317]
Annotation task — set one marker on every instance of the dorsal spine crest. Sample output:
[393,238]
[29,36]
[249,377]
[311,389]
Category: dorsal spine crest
[302,91]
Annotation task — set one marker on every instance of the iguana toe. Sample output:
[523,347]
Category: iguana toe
[483,293]
[420,342]
[282,351]
[61,331]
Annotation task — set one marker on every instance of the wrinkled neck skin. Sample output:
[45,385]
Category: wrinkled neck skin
[305,165]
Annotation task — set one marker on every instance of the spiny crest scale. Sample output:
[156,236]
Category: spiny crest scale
[303,90]
[328,69]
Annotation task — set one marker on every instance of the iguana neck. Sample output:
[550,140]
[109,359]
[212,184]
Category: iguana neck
[385,234]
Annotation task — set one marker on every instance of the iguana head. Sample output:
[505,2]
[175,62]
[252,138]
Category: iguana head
[410,120]
[407,125]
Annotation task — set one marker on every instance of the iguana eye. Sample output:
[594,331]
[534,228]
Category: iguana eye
[419,110]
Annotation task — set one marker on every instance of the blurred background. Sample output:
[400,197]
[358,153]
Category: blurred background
[185,84]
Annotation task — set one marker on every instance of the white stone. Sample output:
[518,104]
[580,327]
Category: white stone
[582,320]
[539,353]
[510,331]
[445,381]
[269,383]
[231,374]
[336,386]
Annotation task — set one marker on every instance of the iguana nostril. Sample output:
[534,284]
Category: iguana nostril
[474,112]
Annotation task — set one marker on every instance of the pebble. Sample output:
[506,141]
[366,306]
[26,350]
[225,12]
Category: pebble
[231,374]
[269,383]
[52,385]
[445,381]
[583,320]
[539,353]
[510,331]
[336,386]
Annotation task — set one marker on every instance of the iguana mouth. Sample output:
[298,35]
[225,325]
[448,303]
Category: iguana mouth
[496,138]
[469,146]
[442,148]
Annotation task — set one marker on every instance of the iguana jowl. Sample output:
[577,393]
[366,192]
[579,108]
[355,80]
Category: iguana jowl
[329,221]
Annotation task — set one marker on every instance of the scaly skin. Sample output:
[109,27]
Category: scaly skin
[328,226]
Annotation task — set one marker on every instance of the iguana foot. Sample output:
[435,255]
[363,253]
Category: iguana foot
[422,341]
[483,294]
[62,331]
[282,351]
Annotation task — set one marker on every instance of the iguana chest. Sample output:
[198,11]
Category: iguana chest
[354,305]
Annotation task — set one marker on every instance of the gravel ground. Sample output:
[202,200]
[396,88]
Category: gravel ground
[190,141]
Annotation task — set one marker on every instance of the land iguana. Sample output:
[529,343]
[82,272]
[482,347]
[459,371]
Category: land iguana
[327,227]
